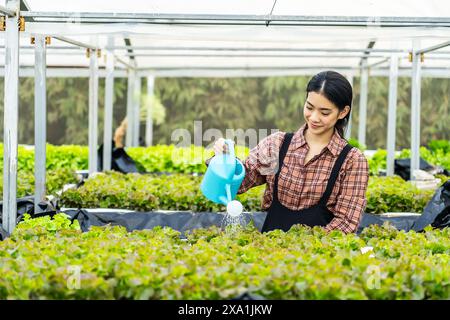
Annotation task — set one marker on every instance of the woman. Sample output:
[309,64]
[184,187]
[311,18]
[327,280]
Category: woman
[313,177]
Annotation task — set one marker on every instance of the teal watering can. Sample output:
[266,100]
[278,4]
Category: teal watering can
[223,177]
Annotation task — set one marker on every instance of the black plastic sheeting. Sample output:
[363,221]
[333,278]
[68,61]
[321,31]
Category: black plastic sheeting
[3,234]
[25,205]
[402,167]
[437,211]
[179,220]
[120,160]
[248,296]
[185,220]
[403,222]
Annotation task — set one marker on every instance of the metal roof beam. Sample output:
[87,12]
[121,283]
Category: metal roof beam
[119,59]
[269,19]
[126,64]
[220,19]
[247,55]
[433,48]
[7,12]
[75,43]
[366,53]
[179,48]
[378,63]
[74,72]
[129,48]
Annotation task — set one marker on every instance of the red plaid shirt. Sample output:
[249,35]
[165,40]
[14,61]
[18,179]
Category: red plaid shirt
[302,185]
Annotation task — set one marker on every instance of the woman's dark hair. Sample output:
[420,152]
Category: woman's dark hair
[336,88]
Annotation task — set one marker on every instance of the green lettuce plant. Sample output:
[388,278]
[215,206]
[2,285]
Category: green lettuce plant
[52,259]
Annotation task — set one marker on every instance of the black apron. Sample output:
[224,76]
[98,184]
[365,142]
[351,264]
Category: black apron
[280,217]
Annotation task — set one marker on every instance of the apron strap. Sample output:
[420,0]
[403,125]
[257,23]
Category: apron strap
[281,156]
[334,174]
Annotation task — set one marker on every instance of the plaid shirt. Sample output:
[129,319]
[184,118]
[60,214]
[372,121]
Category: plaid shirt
[301,186]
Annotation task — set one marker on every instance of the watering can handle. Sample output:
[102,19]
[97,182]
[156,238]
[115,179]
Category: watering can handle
[230,144]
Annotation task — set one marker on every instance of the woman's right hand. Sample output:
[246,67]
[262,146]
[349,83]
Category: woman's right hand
[220,146]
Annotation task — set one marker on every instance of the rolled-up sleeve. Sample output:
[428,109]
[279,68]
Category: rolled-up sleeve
[351,200]
[261,161]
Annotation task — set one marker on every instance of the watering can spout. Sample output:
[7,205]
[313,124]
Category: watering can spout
[223,200]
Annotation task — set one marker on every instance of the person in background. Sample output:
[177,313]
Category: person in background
[119,134]
[313,176]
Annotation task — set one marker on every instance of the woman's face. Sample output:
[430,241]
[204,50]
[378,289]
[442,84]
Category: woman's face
[321,114]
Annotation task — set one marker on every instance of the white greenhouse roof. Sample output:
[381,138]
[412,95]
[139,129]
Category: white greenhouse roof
[397,8]
[234,37]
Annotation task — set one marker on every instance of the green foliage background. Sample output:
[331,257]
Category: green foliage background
[235,103]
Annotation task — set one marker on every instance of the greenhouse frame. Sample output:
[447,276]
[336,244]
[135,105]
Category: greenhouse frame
[229,39]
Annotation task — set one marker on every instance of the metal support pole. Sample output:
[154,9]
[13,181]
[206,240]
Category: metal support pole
[136,109]
[130,104]
[40,121]
[11,114]
[109,98]
[149,120]
[93,112]
[348,133]
[392,116]
[415,109]
[363,104]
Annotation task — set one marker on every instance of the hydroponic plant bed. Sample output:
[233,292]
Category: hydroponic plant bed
[182,192]
[52,259]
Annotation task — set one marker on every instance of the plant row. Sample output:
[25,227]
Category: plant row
[55,181]
[169,158]
[52,259]
[57,157]
[437,153]
[182,192]
[160,158]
